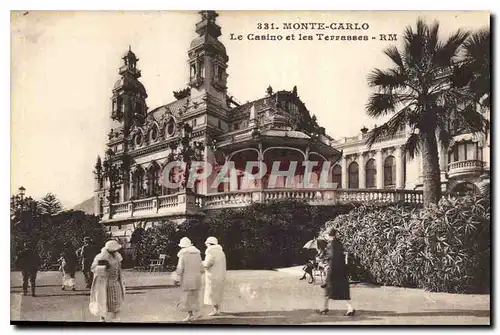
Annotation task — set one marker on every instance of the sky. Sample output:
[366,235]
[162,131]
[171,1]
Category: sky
[64,65]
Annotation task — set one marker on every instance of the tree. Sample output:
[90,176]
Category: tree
[420,93]
[475,70]
[50,205]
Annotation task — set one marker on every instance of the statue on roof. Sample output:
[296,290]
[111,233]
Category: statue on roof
[208,15]
[269,90]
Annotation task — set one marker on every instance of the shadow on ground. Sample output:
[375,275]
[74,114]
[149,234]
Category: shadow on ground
[71,294]
[150,287]
[301,316]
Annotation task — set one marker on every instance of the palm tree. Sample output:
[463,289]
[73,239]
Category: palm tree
[475,70]
[419,93]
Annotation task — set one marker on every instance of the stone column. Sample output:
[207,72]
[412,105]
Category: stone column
[97,203]
[442,165]
[344,173]
[399,168]
[380,169]
[130,186]
[362,170]
[122,192]
[204,184]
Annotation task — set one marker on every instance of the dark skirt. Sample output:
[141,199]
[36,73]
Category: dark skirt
[337,281]
[337,287]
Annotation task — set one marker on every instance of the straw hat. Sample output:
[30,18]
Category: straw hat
[112,245]
[185,242]
[211,240]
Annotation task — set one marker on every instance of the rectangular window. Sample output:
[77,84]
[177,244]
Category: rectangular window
[461,152]
[236,126]
[471,151]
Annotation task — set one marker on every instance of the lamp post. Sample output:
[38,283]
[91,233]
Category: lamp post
[22,191]
[24,212]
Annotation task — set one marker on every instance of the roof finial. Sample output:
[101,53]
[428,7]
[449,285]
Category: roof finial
[129,48]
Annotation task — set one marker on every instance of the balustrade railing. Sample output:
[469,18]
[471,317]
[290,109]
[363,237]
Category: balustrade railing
[170,203]
[466,164]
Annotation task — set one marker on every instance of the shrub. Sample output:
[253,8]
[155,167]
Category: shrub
[445,247]
[160,239]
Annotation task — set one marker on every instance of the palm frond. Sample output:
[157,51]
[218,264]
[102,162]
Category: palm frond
[433,35]
[393,53]
[380,104]
[376,135]
[390,128]
[478,45]
[412,145]
[473,120]
[446,52]
[444,134]
[389,79]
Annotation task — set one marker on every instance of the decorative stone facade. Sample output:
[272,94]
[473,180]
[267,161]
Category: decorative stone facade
[204,124]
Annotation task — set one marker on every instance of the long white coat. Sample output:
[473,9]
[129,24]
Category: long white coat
[108,288]
[215,274]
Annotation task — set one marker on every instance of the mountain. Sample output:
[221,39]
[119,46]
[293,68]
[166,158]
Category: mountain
[87,206]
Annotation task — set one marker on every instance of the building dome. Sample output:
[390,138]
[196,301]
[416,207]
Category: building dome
[132,84]
[207,41]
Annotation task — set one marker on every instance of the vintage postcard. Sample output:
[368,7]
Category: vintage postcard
[251,167]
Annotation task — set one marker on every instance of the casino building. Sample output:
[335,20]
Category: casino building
[203,123]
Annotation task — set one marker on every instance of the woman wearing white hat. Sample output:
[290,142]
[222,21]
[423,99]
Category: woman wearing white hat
[215,275]
[189,270]
[108,290]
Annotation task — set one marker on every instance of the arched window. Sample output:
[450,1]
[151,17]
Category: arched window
[353,175]
[174,177]
[371,174]
[197,186]
[221,187]
[337,175]
[464,189]
[153,134]
[170,129]
[138,183]
[239,180]
[153,180]
[389,171]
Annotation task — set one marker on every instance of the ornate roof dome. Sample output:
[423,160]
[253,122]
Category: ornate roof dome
[128,83]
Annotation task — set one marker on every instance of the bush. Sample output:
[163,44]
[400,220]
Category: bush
[445,247]
[160,239]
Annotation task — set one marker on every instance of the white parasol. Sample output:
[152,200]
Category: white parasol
[312,244]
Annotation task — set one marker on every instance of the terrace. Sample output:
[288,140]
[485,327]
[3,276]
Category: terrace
[182,203]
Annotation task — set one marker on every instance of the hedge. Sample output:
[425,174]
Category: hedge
[444,247]
[260,236]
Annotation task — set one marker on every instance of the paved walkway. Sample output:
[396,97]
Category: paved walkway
[252,297]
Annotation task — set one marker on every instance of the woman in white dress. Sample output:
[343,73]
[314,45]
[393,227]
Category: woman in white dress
[108,290]
[215,274]
[188,272]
